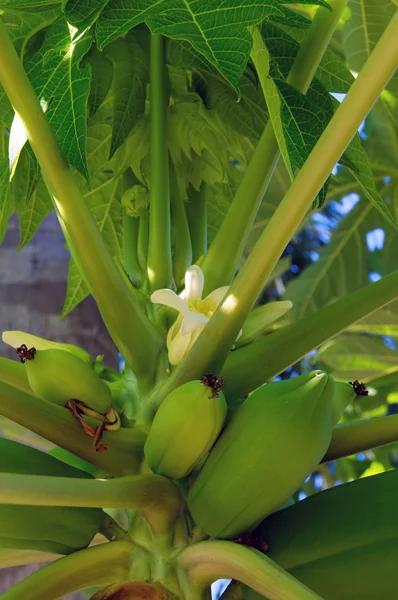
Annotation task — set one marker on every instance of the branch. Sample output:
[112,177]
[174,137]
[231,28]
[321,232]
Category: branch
[58,425]
[350,438]
[207,561]
[155,497]
[159,251]
[101,565]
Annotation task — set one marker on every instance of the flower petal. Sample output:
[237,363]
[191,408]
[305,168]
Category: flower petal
[178,348]
[192,321]
[194,282]
[217,295]
[169,298]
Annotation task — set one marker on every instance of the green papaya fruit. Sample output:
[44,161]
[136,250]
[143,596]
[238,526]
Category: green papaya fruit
[342,543]
[344,394]
[59,376]
[185,427]
[58,530]
[273,442]
[16,338]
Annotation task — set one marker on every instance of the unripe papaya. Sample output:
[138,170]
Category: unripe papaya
[273,442]
[16,338]
[185,427]
[59,376]
[344,394]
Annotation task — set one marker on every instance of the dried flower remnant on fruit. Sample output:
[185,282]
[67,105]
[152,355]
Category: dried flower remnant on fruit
[24,353]
[359,388]
[213,382]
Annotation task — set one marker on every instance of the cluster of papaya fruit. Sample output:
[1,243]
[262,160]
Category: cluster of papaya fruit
[247,470]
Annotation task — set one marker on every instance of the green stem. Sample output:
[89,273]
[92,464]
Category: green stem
[196,211]
[207,561]
[14,373]
[253,365]
[213,345]
[130,329]
[156,497]
[130,249]
[143,240]
[100,565]
[159,252]
[350,438]
[225,252]
[181,240]
[58,425]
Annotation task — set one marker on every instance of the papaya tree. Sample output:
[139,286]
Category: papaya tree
[184,146]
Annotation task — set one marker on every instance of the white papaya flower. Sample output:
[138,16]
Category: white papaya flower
[194,315]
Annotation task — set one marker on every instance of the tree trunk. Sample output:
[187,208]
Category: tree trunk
[32,291]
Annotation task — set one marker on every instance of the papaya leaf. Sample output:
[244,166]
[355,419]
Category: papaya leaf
[59,82]
[283,42]
[218,32]
[103,197]
[359,357]
[76,291]
[366,22]
[247,117]
[298,121]
[381,142]
[83,14]
[382,322]
[6,204]
[344,264]
[101,78]
[31,5]
[360,169]
[131,74]
[31,212]
[23,29]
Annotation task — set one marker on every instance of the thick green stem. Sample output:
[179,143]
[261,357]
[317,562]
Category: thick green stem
[213,345]
[130,329]
[208,561]
[58,425]
[181,240]
[14,373]
[253,365]
[143,240]
[350,438]
[196,211]
[130,249]
[159,252]
[100,565]
[225,252]
[156,497]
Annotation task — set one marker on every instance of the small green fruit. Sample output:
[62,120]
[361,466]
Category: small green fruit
[185,427]
[59,376]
